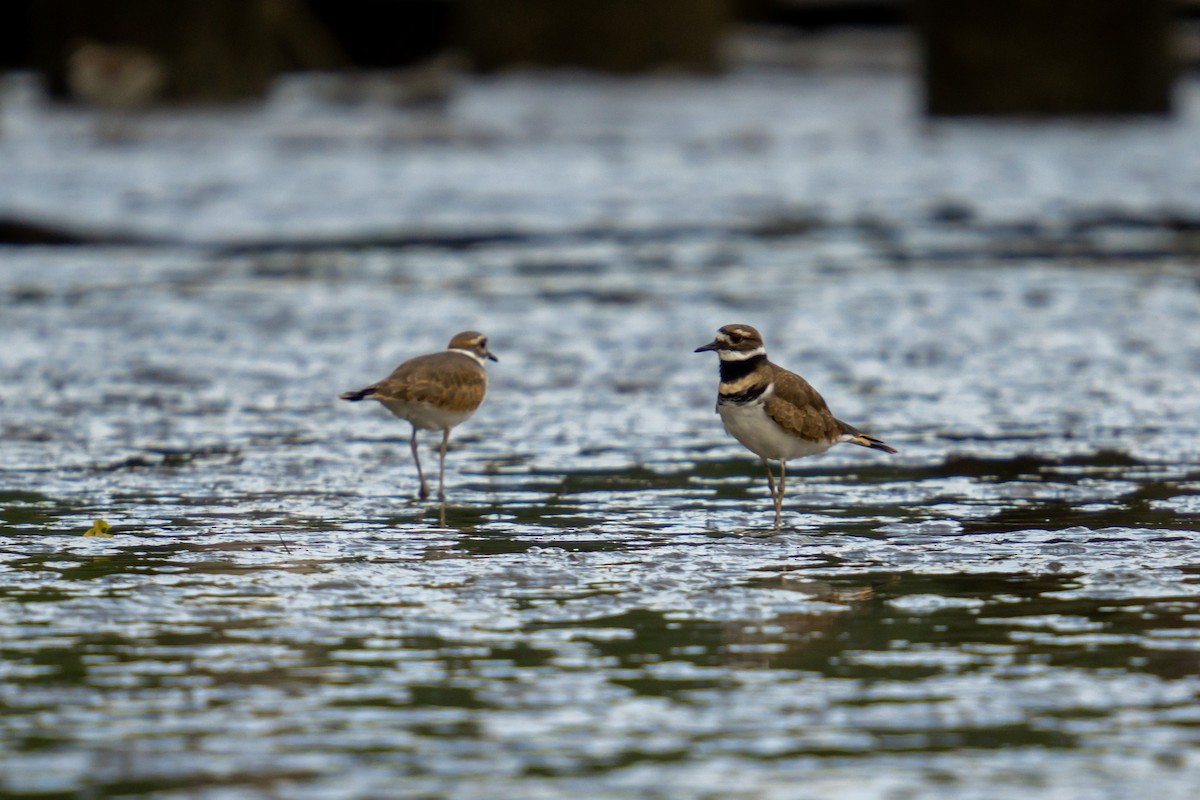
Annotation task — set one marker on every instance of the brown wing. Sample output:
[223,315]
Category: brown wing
[800,409]
[449,380]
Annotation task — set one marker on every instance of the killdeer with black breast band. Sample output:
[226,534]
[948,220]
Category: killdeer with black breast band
[775,413]
[435,392]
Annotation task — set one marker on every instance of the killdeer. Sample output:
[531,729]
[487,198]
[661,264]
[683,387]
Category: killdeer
[115,77]
[775,413]
[116,80]
[435,392]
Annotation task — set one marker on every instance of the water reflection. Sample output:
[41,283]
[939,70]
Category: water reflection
[1010,604]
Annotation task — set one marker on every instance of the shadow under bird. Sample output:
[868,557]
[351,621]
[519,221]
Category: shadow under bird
[435,392]
[774,413]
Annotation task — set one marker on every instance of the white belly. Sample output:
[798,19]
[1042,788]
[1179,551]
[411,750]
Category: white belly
[425,416]
[751,426]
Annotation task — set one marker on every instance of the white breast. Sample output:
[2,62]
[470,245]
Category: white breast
[751,426]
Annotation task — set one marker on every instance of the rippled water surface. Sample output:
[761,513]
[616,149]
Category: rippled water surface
[1008,607]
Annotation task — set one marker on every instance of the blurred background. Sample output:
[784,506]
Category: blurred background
[978,57]
[407,73]
[983,56]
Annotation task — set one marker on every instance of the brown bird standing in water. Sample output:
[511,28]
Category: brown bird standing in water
[775,413]
[435,392]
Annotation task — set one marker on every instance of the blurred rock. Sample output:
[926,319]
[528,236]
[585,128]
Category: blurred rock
[427,86]
[1036,57]
[851,49]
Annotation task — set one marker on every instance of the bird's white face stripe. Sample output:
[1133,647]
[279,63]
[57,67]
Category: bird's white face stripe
[736,355]
[471,353]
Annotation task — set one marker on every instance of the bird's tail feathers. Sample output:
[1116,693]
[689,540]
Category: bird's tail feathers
[871,442]
[853,435]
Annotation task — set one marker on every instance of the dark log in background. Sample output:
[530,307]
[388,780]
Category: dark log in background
[212,49]
[608,35]
[1046,56]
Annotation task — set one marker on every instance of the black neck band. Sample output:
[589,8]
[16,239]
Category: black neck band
[736,370]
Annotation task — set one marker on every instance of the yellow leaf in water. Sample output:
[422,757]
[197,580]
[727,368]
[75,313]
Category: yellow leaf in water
[99,528]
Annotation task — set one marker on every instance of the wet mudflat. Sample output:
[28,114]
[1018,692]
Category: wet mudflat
[1007,607]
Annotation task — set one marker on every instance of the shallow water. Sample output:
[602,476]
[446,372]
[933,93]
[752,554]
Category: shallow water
[1008,606]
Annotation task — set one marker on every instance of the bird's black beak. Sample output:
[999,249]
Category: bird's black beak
[714,345]
[491,357]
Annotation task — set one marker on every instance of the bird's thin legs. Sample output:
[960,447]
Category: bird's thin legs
[779,497]
[776,492]
[424,493]
[770,477]
[442,474]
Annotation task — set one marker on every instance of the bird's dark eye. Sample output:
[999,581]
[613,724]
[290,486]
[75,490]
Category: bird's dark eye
[735,338]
